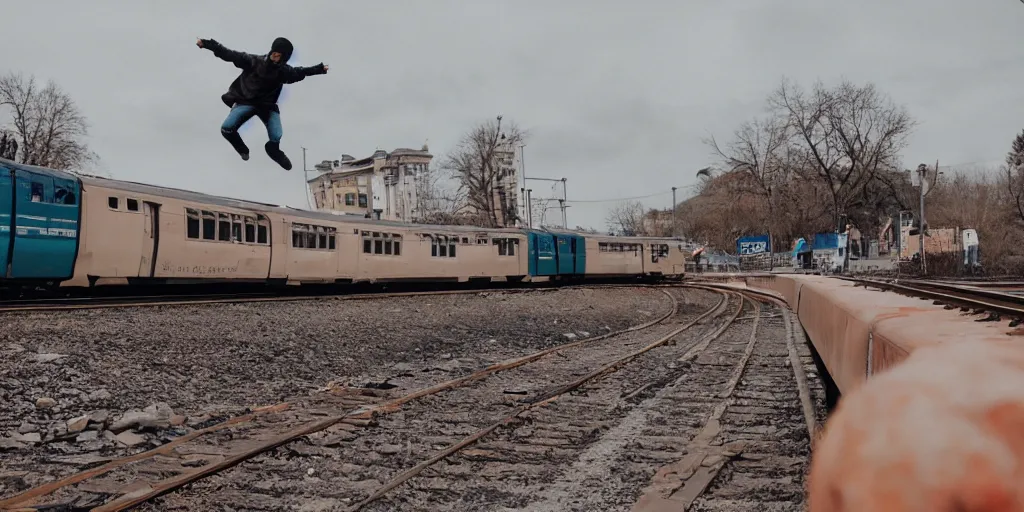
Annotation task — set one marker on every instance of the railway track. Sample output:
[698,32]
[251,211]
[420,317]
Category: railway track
[953,295]
[581,426]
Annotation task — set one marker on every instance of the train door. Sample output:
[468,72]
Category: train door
[6,220]
[151,240]
[564,255]
[579,249]
[542,254]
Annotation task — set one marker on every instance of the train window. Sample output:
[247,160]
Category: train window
[112,202]
[261,234]
[133,205]
[397,245]
[310,238]
[192,223]
[37,192]
[451,247]
[331,242]
[387,246]
[367,245]
[350,199]
[236,228]
[506,246]
[465,240]
[481,241]
[209,225]
[321,238]
[63,195]
[223,227]
[250,230]
[378,246]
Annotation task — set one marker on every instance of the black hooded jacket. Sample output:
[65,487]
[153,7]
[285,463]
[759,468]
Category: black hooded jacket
[261,80]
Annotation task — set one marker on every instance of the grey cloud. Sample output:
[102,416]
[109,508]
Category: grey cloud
[617,96]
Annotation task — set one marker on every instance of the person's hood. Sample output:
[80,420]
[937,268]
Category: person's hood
[283,46]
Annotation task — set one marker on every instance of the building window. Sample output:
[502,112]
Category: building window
[350,199]
[363,202]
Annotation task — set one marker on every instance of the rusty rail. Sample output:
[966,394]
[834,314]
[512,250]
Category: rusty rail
[127,500]
[548,398]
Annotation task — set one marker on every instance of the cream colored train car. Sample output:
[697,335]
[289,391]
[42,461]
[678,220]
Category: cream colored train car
[133,232]
[331,248]
[630,256]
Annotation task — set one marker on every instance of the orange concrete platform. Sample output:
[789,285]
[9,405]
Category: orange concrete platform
[932,410]
[860,332]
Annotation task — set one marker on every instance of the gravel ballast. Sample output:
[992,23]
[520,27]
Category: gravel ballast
[65,374]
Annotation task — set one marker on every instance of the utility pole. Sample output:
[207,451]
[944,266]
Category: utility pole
[922,172]
[305,180]
[522,165]
[529,208]
[673,211]
[565,197]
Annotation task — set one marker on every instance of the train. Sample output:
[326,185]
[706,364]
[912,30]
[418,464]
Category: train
[62,230]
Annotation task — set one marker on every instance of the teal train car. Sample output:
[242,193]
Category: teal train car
[556,255]
[40,211]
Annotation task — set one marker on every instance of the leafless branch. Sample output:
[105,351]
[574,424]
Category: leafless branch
[48,124]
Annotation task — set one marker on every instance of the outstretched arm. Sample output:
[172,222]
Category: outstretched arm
[241,60]
[297,74]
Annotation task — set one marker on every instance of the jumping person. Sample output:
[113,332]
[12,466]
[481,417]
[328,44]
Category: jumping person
[256,90]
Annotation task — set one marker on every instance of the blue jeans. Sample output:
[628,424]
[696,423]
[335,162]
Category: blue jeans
[241,113]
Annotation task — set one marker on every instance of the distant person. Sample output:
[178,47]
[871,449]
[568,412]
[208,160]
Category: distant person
[256,90]
[12,149]
[3,145]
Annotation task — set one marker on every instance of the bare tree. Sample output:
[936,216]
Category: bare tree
[1014,174]
[476,164]
[849,134]
[760,149]
[627,219]
[439,202]
[47,123]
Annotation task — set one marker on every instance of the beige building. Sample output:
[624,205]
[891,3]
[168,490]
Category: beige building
[384,184]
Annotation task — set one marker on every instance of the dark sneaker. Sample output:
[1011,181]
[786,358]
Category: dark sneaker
[275,154]
[236,142]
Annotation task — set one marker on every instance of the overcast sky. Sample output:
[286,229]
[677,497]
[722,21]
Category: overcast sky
[617,96]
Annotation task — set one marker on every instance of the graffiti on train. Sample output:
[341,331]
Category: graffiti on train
[48,232]
[200,270]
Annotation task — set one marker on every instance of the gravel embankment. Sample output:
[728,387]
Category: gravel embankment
[212,360]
